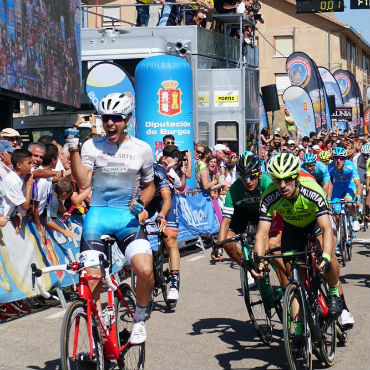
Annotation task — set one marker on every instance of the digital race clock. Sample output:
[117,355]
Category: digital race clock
[315,6]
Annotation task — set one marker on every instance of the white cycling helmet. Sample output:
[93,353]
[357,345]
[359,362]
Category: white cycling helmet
[117,103]
[365,149]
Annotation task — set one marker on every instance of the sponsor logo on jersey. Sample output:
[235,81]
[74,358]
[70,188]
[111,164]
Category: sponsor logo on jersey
[269,200]
[313,195]
[169,98]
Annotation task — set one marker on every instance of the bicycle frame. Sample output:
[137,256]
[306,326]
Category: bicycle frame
[108,334]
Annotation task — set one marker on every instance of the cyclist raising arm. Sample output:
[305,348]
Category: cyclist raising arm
[111,165]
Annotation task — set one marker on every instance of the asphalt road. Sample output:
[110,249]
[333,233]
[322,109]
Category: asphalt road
[209,328]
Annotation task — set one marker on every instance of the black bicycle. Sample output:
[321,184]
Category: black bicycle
[261,297]
[161,269]
[305,307]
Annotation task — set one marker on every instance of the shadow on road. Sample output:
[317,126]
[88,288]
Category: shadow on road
[357,279]
[49,365]
[243,343]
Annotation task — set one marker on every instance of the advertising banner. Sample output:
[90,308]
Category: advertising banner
[40,51]
[302,71]
[331,86]
[299,105]
[196,216]
[366,121]
[164,103]
[342,118]
[105,78]
[263,116]
[350,93]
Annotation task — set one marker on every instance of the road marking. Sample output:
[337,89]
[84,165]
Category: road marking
[358,240]
[56,314]
[194,258]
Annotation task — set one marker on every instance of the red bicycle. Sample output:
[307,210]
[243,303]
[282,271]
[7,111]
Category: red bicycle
[91,339]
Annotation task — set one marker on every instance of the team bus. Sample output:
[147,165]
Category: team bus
[224,67]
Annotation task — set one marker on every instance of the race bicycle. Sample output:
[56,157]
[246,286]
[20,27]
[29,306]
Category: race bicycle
[161,268]
[91,339]
[305,304]
[345,233]
[261,297]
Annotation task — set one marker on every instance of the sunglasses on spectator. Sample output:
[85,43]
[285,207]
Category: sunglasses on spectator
[199,152]
[286,180]
[12,138]
[251,177]
[170,142]
[112,117]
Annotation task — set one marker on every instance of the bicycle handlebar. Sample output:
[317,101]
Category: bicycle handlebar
[233,239]
[342,201]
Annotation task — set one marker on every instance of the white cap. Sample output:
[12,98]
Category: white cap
[316,147]
[291,142]
[9,132]
[220,148]
[300,146]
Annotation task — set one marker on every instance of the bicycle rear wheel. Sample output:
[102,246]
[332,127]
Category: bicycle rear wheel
[329,332]
[298,348]
[349,240]
[75,333]
[132,357]
[258,311]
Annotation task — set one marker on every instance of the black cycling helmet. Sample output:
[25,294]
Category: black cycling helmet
[248,164]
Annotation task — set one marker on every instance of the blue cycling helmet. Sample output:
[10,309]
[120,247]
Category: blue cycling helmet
[309,158]
[339,152]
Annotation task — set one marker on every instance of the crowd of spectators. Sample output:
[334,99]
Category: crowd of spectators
[36,183]
[199,14]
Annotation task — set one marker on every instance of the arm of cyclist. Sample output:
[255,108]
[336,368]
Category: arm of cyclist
[327,238]
[359,192]
[262,237]
[137,208]
[224,228]
[166,206]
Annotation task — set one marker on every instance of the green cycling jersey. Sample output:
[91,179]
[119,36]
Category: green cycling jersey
[368,167]
[239,197]
[310,204]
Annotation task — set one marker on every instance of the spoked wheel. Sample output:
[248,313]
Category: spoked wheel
[277,293]
[329,332]
[298,348]
[343,239]
[132,357]
[349,241]
[162,277]
[259,313]
[75,353]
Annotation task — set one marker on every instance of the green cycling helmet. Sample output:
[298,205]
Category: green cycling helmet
[284,165]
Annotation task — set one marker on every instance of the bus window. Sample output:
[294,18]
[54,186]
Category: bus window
[203,132]
[227,132]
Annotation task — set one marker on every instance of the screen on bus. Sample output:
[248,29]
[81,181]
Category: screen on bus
[40,50]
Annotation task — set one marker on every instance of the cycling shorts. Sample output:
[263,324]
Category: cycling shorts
[240,220]
[338,194]
[120,224]
[294,238]
[172,216]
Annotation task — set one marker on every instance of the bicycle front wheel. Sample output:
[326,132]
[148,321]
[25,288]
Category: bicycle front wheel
[349,240]
[298,347]
[75,353]
[328,329]
[258,311]
[343,239]
[132,357]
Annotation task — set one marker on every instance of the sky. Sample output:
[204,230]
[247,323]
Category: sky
[359,19]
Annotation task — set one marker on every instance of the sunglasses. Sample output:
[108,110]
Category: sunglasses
[251,177]
[15,138]
[112,117]
[169,143]
[286,180]
[325,162]
[199,152]
[310,165]
[339,158]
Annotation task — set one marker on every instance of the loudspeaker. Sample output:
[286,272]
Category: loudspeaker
[270,97]
[331,104]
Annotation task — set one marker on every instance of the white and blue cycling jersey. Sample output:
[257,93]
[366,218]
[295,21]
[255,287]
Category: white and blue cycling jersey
[117,170]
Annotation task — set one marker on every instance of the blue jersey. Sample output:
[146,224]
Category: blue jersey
[345,179]
[321,173]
